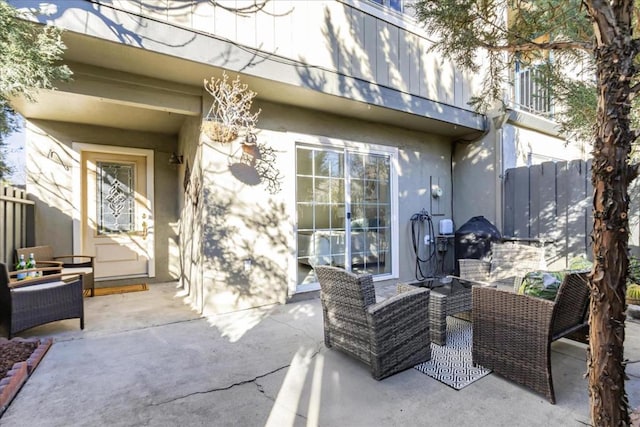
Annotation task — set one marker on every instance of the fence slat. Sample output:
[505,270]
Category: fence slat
[521,203]
[509,191]
[547,217]
[576,213]
[562,200]
[16,225]
[535,207]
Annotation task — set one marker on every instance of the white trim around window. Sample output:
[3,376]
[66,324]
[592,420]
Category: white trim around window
[355,147]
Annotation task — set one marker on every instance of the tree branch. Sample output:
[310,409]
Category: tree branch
[532,46]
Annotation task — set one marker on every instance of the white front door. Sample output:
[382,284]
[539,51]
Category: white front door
[117,213]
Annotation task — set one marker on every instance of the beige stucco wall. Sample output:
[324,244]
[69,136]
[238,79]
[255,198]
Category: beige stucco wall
[229,217]
[524,146]
[476,180]
[190,235]
[50,184]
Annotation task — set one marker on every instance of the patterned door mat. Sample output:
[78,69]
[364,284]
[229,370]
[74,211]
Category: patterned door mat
[451,364]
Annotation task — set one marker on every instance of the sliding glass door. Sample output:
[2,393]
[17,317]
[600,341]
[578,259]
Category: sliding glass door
[344,206]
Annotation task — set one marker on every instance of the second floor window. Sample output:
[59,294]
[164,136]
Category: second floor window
[396,5]
[531,90]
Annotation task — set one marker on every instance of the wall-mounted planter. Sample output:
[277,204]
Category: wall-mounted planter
[219,132]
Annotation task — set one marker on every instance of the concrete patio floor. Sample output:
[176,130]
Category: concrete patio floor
[146,358]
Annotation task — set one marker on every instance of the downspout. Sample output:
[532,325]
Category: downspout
[499,123]
[499,146]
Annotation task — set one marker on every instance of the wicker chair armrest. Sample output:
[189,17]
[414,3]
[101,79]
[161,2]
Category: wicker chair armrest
[43,271]
[35,280]
[394,312]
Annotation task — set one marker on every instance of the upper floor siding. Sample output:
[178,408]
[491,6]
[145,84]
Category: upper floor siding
[352,38]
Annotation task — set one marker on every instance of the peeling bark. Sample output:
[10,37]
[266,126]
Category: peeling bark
[611,175]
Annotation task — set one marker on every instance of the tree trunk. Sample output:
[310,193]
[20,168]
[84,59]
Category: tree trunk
[610,176]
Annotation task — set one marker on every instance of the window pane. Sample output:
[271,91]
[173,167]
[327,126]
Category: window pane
[322,216]
[396,5]
[357,192]
[356,166]
[337,190]
[304,189]
[305,216]
[337,216]
[328,164]
[371,191]
[304,159]
[322,190]
[384,192]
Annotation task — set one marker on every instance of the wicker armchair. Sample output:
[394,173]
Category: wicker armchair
[70,264]
[389,336]
[512,333]
[36,301]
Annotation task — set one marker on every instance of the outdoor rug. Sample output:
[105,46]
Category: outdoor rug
[451,364]
[118,289]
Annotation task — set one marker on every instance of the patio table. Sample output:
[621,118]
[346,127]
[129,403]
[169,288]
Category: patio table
[449,296]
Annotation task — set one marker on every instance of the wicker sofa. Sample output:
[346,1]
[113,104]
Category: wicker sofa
[512,333]
[36,301]
[389,336]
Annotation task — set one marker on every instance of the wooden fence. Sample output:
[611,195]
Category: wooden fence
[553,202]
[16,223]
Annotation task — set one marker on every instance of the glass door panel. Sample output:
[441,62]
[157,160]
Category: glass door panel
[320,207]
[370,225]
[343,221]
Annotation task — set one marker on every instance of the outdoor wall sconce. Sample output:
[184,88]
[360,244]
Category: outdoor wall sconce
[175,159]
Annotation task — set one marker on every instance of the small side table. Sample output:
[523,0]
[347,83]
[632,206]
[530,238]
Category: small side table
[447,300]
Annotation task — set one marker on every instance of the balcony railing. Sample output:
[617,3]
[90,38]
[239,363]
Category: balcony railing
[531,92]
